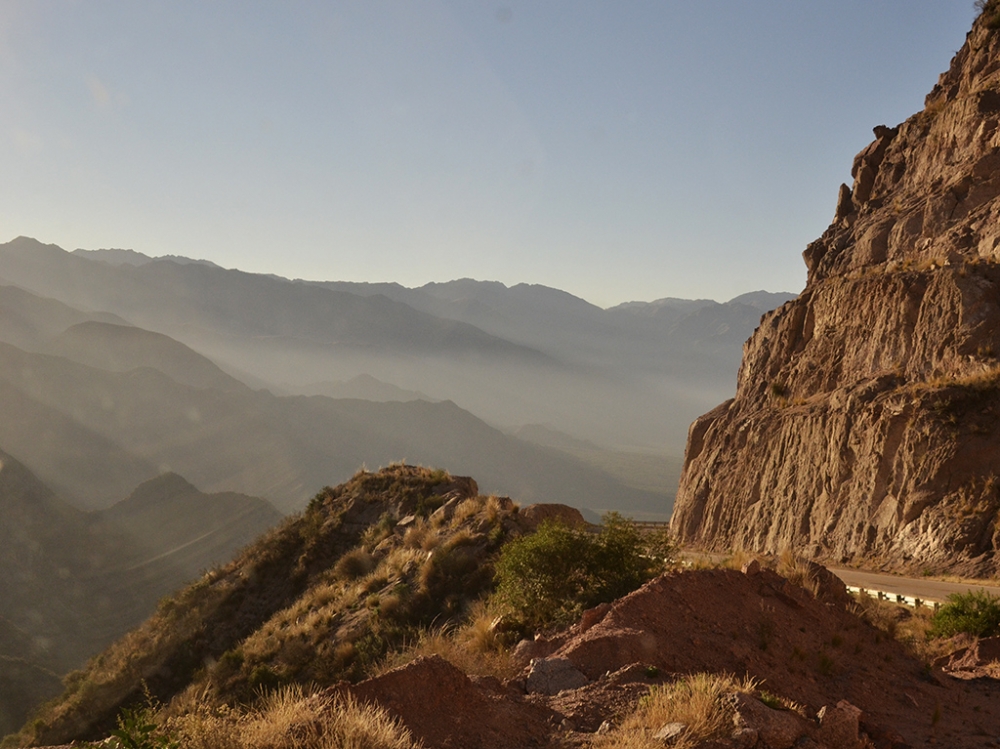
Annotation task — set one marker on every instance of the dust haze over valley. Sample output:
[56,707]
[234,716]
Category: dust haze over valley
[272,387]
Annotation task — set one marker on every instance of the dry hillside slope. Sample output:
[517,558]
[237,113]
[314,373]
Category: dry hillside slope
[865,425]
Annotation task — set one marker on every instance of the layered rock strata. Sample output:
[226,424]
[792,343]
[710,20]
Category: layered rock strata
[865,425]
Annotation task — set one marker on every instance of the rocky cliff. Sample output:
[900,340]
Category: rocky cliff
[865,424]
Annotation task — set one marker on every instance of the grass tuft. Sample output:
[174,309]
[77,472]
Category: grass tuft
[698,701]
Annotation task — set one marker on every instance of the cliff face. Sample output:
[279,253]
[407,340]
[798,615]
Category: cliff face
[865,424]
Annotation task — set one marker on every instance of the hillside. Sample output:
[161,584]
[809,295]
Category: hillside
[120,348]
[71,582]
[169,521]
[363,387]
[285,575]
[30,321]
[864,425]
[381,594]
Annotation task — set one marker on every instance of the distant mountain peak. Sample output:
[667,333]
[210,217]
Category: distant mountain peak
[158,489]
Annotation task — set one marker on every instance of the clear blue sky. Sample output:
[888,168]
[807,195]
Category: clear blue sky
[619,150]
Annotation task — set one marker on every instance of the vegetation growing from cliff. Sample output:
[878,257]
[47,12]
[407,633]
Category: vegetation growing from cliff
[990,12]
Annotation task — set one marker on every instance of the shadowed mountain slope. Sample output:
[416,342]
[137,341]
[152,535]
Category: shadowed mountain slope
[363,387]
[284,448]
[71,581]
[29,321]
[169,520]
[119,348]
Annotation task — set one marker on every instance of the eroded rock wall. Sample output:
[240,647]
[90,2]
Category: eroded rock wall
[865,424]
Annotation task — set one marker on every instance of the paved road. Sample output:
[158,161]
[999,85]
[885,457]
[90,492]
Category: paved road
[917,587]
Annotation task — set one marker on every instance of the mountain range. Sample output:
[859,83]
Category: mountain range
[633,376]
[119,366]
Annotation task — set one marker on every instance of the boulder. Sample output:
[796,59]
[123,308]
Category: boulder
[980,658]
[838,726]
[777,729]
[554,675]
[671,733]
[535,515]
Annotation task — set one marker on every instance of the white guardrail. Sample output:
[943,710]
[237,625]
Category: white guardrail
[894,597]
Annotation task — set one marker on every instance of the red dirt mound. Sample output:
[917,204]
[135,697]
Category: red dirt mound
[813,652]
[445,708]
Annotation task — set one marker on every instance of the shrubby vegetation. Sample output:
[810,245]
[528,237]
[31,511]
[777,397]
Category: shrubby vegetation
[551,576]
[990,9]
[976,613]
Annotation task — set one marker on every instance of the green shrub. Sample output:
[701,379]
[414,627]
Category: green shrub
[137,730]
[975,612]
[552,575]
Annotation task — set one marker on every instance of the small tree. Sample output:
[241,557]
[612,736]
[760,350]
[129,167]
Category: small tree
[551,576]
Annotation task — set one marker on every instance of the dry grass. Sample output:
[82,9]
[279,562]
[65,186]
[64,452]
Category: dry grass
[698,701]
[796,570]
[354,564]
[909,627]
[421,535]
[983,377]
[476,648]
[735,560]
[467,509]
[290,719]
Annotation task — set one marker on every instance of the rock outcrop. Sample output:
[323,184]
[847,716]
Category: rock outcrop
[865,424]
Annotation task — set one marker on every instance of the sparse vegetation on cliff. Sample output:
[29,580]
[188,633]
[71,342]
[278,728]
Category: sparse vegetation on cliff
[990,12]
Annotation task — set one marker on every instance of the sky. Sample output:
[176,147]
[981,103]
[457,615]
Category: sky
[619,150]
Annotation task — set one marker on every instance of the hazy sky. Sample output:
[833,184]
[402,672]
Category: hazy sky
[618,150]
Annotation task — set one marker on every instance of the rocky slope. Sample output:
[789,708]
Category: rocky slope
[378,593]
[865,426]
[290,609]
